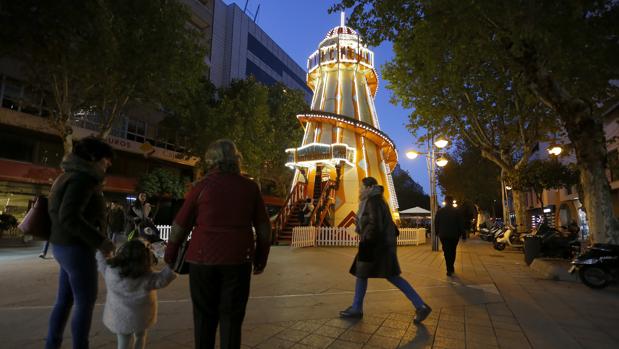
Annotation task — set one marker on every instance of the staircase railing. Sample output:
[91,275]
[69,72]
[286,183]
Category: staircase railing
[295,195]
[321,209]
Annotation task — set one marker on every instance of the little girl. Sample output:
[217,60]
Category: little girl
[131,304]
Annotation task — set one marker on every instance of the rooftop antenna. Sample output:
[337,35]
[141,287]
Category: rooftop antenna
[342,18]
[245,8]
[256,15]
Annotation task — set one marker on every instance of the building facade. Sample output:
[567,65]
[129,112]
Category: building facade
[240,48]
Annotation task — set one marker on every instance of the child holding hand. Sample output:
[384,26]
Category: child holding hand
[131,303]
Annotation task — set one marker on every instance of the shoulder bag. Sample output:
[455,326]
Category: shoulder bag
[180,265]
[37,222]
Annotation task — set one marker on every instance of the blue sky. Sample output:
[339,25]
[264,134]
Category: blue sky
[297,26]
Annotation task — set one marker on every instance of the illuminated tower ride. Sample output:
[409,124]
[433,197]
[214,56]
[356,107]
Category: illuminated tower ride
[343,142]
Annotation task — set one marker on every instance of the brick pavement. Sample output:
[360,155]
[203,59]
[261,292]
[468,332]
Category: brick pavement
[494,301]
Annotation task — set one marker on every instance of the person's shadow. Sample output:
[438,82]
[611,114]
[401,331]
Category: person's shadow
[422,339]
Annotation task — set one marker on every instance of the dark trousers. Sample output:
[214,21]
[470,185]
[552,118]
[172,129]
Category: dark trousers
[77,288]
[219,295]
[449,251]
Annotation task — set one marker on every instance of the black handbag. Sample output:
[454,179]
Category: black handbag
[180,265]
[37,222]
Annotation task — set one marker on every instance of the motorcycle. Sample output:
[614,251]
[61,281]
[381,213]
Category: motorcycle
[508,237]
[489,233]
[598,266]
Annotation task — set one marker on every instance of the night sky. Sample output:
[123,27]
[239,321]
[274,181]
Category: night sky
[297,26]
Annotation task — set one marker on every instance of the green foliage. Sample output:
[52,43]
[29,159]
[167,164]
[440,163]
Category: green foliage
[482,184]
[539,175]
[410,193]
[163,183]
[261,121]
[99,55]
[457,83]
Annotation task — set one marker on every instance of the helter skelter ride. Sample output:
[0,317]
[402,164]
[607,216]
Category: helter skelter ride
[342,142]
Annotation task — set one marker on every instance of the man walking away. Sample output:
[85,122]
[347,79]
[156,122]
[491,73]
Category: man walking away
[449,226]
[116,223]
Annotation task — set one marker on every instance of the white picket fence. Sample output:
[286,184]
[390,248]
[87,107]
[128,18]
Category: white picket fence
[164,231]
[334,236]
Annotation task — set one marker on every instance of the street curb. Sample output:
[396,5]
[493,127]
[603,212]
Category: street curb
[553,269]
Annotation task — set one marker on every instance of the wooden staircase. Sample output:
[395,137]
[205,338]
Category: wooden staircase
[288,216]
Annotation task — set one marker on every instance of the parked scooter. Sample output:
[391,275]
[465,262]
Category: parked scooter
[489,233]
[598,266]
[508,237]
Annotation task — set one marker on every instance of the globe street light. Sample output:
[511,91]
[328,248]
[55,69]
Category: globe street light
[554,149]
[432,162]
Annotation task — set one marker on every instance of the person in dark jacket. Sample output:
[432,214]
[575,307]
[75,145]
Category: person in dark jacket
[222,208]
[449,225]
[77,212]
[140,217]
[377,256]
[116,223]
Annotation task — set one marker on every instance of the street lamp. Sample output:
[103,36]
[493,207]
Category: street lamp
[554,149]
[432,161]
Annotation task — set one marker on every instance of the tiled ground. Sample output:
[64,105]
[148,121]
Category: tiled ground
[494,301]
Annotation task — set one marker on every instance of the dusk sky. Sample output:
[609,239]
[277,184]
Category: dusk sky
[297,26]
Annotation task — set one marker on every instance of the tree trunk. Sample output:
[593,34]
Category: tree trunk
[520,210]
[587,137]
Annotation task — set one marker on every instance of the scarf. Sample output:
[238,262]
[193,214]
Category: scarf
[366,194]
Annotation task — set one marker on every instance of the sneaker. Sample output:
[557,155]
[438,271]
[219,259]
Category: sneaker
[351,313]
[422,313]
[42,256]
[450,273]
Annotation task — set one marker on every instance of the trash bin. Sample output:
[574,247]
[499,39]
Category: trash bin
[532,248]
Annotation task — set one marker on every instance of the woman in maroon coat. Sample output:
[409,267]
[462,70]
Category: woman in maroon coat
[221,209]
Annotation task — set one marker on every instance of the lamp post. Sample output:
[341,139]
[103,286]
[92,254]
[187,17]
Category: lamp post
[432,161]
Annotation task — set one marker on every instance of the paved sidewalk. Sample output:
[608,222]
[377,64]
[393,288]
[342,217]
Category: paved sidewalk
[494,301]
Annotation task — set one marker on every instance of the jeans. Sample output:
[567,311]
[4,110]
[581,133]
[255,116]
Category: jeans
[77,285]
[361,287]
[219,295]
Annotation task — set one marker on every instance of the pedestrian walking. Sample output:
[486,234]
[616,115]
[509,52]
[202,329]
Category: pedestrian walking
[77,212]
[449,225]
[43,253]
[377,255]
[222,208]
[131,303]
[116,223]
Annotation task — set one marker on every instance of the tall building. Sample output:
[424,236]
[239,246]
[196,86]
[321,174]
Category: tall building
[240,48]
[343,142]
[31,151]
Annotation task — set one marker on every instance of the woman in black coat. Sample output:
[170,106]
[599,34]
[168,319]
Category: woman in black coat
[377,255]
[77,211]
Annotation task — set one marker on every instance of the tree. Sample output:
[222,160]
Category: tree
[458,94]
[261,121]
[409,193]
[539,175]
[561,54]
[163,183]
[90,58]
[482,185]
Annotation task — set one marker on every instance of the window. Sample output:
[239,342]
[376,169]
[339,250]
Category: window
[12,92]
[136,130]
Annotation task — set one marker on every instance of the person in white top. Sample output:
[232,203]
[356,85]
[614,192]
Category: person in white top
[131,303]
